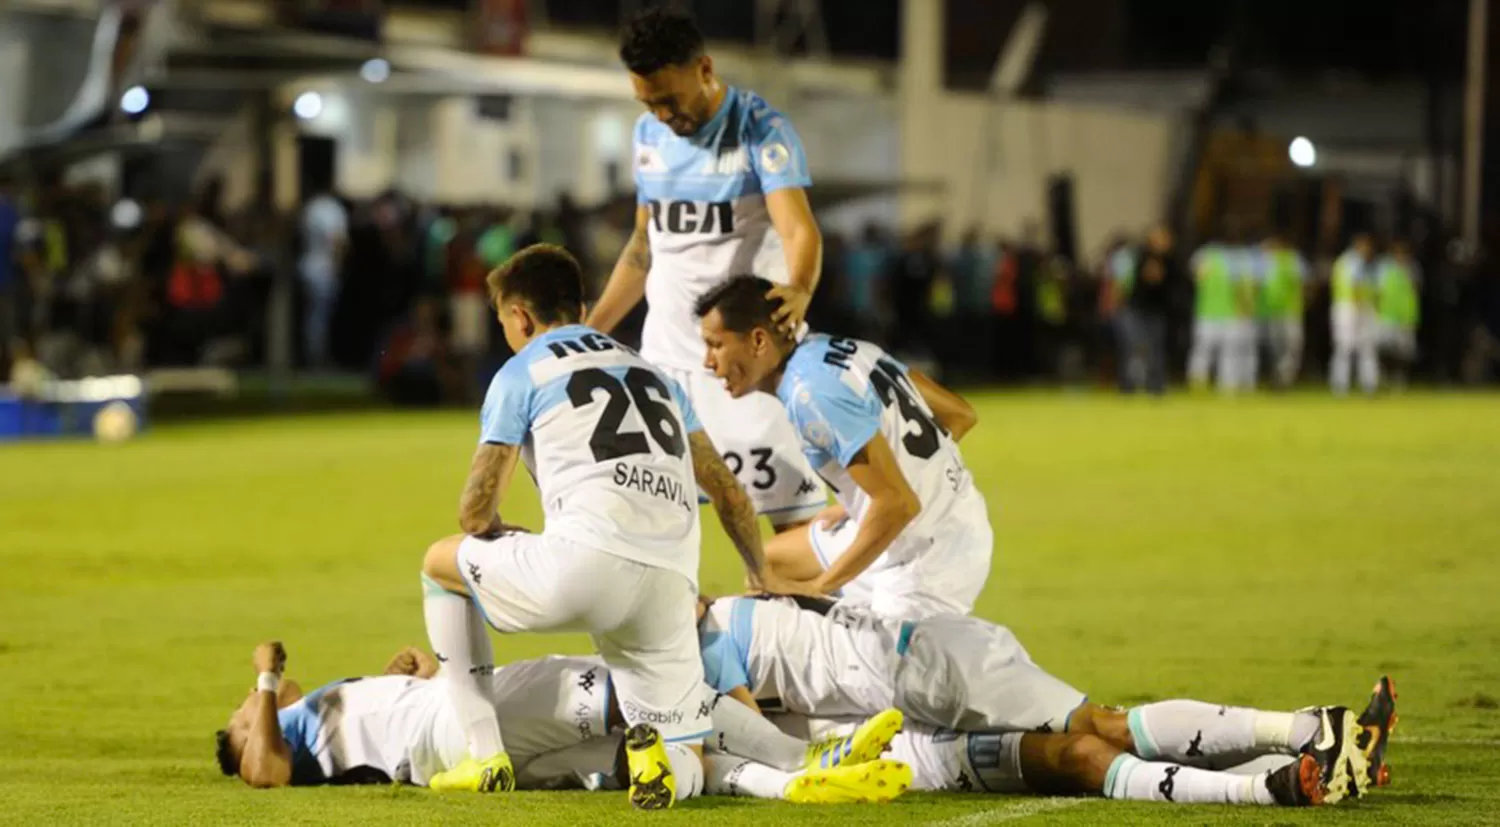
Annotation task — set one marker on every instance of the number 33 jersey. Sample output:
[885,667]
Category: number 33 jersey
[843,393]
[605,435]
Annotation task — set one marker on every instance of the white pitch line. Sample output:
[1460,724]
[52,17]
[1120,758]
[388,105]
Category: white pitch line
[1025,808]
[1397,740]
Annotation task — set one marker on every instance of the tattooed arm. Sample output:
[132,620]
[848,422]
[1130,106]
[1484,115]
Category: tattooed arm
[489,474]
[627,283]
[731,503]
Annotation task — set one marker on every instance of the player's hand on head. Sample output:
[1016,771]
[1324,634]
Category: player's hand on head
[269,657]
[794,303]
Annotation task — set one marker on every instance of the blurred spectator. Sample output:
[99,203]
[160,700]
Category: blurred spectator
[415,366]
[1146,280]
[865,264]
[325,237]
[911,277]
[10,225]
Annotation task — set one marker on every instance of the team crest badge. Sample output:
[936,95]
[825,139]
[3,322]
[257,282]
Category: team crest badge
[818,434]
[774,157]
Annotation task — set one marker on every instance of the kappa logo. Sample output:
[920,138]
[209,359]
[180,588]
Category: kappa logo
[1195,746]
[807,486]
[1169,783]
[587,680]
[474,573]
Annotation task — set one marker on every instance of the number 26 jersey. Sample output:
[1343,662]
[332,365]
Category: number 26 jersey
[605,435]
[843,393]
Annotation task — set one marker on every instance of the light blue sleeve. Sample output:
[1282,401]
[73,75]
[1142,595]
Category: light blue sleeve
[723,664]
[776,152]
[505,417]
[689,414]
[833,419]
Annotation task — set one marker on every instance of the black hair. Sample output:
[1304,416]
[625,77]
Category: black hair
[657,38]
[544,276]
[229,760]
[741,302]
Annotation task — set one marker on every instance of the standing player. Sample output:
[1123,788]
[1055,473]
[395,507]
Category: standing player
[1398,279]
[911,536]
[720,185]
[1223,318]
[615,448]
[1352,317]
[1283,280]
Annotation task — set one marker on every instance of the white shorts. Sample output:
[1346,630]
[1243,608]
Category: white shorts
[945,577]
[1353,328]
[643,619]
[1397,339]
[971,675]
[759,445]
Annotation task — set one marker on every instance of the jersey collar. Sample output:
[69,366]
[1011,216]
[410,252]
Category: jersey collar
[706,132]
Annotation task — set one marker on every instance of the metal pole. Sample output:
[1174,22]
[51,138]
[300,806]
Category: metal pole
[1474,118]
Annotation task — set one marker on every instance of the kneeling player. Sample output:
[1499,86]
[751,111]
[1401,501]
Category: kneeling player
[917,540]
[969,675]
[561,721]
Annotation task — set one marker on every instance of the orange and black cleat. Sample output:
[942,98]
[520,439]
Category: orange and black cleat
[1376,724]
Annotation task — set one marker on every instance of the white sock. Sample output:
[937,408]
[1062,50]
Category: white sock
[740,730]
[1196,733]
[450,629]
[687,769]
[732,775]
[1132,779]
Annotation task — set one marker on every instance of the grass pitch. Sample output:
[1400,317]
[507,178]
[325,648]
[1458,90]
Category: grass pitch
[1276,552]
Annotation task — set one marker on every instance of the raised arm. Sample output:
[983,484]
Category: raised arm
[489,476]
[953,412]
[627,282]
[892,506]
[267,760]
[731,503]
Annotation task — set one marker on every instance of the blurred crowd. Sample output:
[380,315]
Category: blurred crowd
[394,288]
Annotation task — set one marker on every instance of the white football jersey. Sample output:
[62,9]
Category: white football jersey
[707,198]
[841,394]
[605,434]
[796,660]
[398,728]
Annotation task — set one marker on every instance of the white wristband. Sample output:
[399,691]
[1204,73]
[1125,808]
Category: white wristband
[268,682]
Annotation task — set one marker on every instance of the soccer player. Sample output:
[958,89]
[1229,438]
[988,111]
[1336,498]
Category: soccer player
[1398,277]
[1352,316]
[560,716]
[615,448]
[969,675]
[910,536]
[1283,284]
[1223,318]
[721,183]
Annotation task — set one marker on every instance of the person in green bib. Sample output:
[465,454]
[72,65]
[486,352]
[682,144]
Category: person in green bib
[1223,318]
[1282,278]
[1353,319]
[1397,283]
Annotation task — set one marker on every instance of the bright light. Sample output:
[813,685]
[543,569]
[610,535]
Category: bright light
[375,70]
[1302,152]
[308,105]
[135,100]
[126,214]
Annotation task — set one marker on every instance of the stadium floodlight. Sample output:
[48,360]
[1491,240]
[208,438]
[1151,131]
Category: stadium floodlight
[1302,152]
[308,105]
[135,100]
[126,214]
[375,70]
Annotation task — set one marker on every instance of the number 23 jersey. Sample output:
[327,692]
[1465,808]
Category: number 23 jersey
[605,435]
[843,393]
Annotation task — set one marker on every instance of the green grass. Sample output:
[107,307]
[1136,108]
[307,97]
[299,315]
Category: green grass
[1272,551]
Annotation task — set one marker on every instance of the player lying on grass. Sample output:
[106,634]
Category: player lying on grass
[966,674]
[616,450]
[561,718]
[918,540]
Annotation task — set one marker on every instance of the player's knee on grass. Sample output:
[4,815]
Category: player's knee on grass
[441,564]
[1072,763]
[1108,723]
[790,554]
